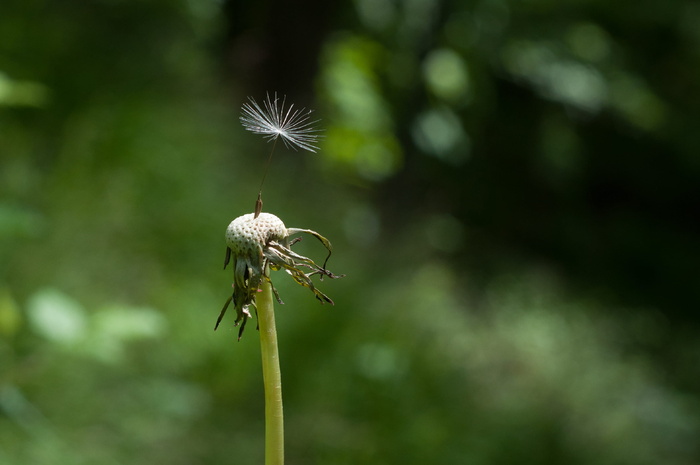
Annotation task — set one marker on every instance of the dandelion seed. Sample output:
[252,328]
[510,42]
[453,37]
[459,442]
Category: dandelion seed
[272,120]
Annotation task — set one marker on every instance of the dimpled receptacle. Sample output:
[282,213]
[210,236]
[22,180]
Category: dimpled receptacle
[247,235]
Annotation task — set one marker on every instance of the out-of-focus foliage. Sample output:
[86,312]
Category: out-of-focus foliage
[510,187]
[566,131]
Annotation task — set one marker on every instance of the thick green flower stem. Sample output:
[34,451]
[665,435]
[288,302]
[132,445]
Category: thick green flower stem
[274,418]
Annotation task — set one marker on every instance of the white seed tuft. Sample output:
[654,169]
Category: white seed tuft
[273,120]
[247,235]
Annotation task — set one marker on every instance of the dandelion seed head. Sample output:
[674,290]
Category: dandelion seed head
[258,244]
[272,120]
[249,235]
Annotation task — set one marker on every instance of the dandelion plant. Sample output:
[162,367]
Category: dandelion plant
[259,242]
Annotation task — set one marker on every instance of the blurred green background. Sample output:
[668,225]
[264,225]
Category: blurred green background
[511,187]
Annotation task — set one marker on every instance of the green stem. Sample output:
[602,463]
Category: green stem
[274,419]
